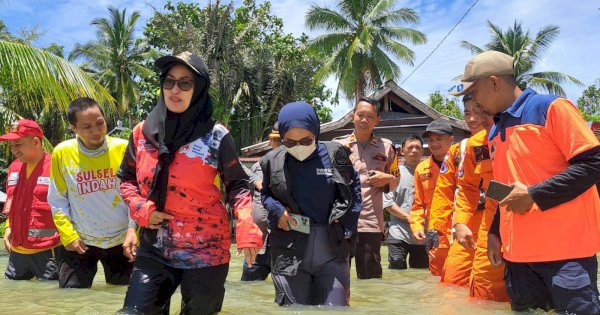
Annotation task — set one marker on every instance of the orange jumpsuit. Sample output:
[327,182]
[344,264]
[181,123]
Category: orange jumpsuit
[457,268]
[426,175]
[487,281]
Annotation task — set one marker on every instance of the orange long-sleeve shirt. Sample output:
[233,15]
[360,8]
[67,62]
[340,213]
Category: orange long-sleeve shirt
[476,175]
[426,175]
[442,202]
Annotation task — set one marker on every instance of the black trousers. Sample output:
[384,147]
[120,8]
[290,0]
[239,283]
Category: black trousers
[153,283]
[368,255]
[78,271]
[400,251]
[42,265]
[566,286]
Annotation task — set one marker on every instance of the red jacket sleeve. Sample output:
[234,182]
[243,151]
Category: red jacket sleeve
[248,234]
[139,207]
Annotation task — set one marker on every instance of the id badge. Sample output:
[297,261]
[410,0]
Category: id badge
[302,223]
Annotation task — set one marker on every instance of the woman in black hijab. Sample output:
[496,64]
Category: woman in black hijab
[169,180]
[312,194]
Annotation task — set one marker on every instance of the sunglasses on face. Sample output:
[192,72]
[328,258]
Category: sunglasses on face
[183,84]
[304,142]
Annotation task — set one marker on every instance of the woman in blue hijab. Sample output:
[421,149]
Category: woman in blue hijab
[312,194]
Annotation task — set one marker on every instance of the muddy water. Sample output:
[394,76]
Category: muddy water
[399,292]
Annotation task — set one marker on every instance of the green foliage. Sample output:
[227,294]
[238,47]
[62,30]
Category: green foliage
[255,67]
[2,228]
[361,38]
[36,79]
[116,57]
[56,49]
[124,134]
[527,51]
[445,106]
[589,102]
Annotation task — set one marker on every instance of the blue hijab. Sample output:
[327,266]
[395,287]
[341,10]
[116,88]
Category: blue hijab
[301,115]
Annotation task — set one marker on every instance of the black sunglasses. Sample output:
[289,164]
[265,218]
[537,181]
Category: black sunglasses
[183,84]
[292,143]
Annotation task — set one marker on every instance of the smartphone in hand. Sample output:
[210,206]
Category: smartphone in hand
[497,190]
[301,224]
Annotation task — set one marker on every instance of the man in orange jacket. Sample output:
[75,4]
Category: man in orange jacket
[439,138]
[547,229]
[457,268]
[486,281]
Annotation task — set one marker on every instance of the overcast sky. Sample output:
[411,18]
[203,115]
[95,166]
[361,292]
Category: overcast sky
[575,51]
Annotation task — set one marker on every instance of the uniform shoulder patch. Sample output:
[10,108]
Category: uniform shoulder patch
[444,168]
[386,140]
[481,153]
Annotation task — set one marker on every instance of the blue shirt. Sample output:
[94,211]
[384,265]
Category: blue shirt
[312,186]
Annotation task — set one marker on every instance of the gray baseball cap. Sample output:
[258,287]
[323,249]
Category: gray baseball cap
[439,126]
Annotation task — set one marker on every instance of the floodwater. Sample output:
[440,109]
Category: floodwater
[399,292]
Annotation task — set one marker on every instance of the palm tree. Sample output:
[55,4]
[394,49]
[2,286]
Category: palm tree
[527,51]
[116,58]
[32,79]
[362,36]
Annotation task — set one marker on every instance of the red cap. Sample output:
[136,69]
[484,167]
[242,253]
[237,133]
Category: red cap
[22,128]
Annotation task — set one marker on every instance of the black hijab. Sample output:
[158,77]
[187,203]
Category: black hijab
[169,131]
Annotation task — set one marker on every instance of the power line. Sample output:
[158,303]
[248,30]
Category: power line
[440,43]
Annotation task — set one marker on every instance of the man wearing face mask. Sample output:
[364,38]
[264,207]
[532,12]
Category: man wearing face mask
[375,160]
[313,197]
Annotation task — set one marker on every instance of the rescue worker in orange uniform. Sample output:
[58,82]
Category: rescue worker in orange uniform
[457,268]
[439,138]
[547,229]
[486,281]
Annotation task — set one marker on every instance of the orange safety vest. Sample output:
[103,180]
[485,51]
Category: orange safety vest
[532,141]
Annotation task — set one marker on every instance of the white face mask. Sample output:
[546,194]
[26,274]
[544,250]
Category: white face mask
[301,152]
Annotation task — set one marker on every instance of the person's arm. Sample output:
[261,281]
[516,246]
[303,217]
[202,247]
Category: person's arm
[258,176]
[391,206]
[442,201]
[398,212]
[235,180]
[417,212]
[58,199]
[6,209]
[274,207]
[140,208]
[581,175]
[580,147]
[468,195]
[495,226]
